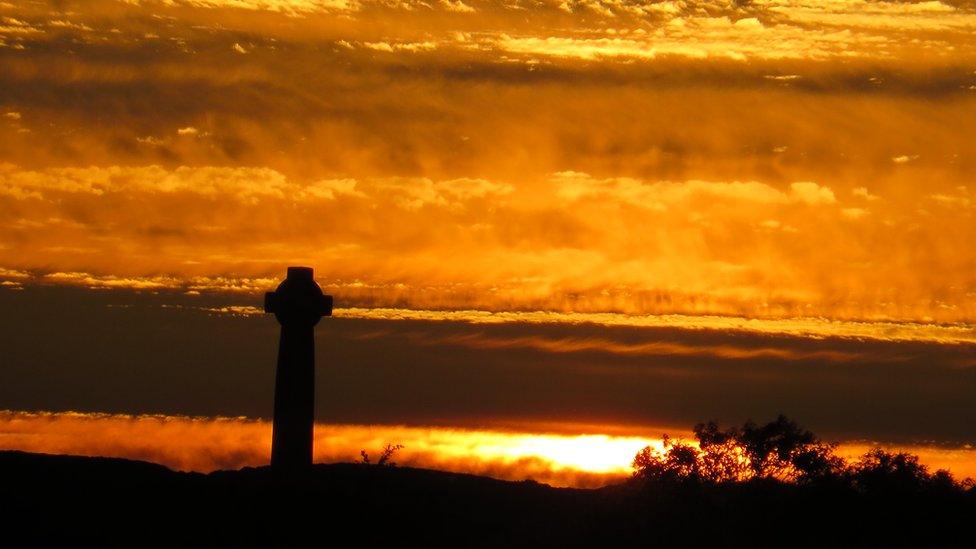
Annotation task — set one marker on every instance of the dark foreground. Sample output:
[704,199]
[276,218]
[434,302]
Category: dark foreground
[69,501]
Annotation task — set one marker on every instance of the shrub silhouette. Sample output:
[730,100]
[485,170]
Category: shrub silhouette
[386,456]
[781,451]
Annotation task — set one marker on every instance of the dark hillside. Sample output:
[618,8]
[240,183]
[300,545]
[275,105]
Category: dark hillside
[70,501]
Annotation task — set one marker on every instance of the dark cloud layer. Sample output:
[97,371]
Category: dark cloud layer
[122,352]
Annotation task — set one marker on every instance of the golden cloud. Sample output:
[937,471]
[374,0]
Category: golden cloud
[594,156]
[620,245]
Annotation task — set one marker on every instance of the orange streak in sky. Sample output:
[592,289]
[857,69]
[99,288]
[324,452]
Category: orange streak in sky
[208,444]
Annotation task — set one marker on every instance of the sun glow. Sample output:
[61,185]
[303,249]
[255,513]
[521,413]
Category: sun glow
[589,453]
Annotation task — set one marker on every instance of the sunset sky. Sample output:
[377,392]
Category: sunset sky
[576,219]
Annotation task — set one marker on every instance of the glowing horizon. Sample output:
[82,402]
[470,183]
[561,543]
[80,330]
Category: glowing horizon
[207,444]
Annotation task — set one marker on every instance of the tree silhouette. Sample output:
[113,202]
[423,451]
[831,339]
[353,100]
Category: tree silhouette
[784,452]
[722,457]
[680,461]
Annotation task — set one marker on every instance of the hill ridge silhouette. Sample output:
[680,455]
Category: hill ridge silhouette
[58,500]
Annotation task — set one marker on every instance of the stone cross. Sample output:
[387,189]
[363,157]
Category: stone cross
[298,304]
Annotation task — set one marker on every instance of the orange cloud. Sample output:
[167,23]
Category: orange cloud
[208,444]
[568,243]
[593,156]
[653,348]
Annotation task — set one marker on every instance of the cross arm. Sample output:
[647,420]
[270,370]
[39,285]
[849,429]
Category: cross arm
[272,303]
